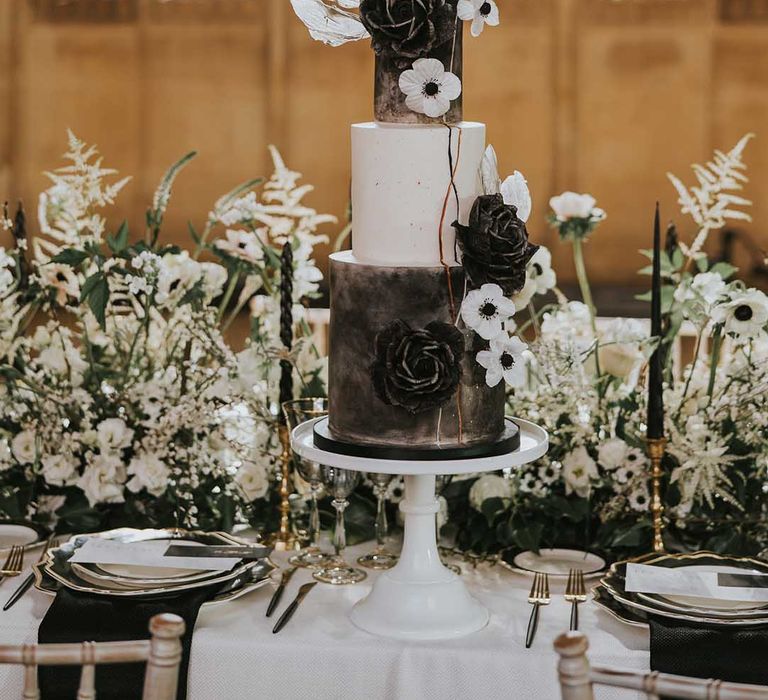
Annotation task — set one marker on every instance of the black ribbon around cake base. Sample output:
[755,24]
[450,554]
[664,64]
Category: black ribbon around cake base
[508,441]
[78,617]
[735,655]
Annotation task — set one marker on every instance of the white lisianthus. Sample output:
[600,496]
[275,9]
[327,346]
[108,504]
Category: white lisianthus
[148,472]
[570,205]
[620,347]
[745,315]
[487,311]
[578,471]
[504,361]
[113,434]
[429,88]
[103,479]
[489,486]
[59,470]
[253,479]
[612,453]
[24,447]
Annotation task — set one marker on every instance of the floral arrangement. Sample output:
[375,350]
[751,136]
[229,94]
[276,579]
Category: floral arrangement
[584,382]
[121,399]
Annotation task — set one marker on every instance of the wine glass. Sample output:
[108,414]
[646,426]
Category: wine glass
[380,558]
[297,412]
[441,483]
[339,483]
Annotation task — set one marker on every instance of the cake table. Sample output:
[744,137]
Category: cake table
[420,599]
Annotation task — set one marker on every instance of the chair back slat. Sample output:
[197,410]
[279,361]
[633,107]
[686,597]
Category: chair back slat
[162,653]
[577,679]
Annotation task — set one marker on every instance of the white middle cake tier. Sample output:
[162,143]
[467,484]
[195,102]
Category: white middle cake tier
[401,181]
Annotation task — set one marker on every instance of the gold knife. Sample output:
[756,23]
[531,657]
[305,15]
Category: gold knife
[288,614]
[278,594]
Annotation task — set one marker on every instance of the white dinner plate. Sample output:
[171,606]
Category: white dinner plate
[12,534]
[134,571]
[558,562]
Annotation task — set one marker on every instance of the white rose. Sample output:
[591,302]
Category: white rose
[149,472]
[612,453]
[254,481]
[103,479]
[489,486]
[571,205]
[24,447]
[113,434]
[59,470]
[578,469]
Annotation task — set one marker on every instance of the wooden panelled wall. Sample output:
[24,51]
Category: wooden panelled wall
[602,96]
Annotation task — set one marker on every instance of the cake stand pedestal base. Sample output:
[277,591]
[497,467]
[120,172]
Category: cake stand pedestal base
[419,598]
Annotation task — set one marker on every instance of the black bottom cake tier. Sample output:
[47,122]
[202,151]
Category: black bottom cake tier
[393,340]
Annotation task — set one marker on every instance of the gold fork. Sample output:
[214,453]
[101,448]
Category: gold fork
[52,543]
[539,596]
[14,562]
[575,593]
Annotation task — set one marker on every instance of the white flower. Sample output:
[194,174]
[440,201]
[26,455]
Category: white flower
[620,346]
[571,205]
[504,361]
[514,191]
[103,479]
[24,447]
[578,469]
[489,486]
[113,434]
[639,499]
[429,88]
[571,323]
[59,470]
[253,479]
[214,279]
[243,244]
[53,358]
[612,453]
[699,295]
[486,310]
[745,314]
[148,471]
[539,278]
[63,279]
[480,12]
[5,455]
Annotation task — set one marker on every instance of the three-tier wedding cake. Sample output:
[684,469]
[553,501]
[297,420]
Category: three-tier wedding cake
[418,344]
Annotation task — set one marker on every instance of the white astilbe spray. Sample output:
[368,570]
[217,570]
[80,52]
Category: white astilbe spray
[712,202]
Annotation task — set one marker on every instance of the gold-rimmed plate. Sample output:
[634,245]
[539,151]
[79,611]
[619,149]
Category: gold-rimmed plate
[20,532]
[556,562]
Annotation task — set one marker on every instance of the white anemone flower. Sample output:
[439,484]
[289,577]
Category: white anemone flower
[480,13]
[515,191]
[540,271]
[504,361]
[486,310]
[429,88]
[745,314]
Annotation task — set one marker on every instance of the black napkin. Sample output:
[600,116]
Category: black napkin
[81,617]
[735,654]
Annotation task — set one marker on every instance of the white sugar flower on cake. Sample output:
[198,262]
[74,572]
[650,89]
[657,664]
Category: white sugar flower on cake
[429,88]
[480,13]
[515,191]
[487,310]
[504,361]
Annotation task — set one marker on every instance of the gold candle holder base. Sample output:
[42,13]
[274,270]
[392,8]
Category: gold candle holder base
[657,447]
[284,540]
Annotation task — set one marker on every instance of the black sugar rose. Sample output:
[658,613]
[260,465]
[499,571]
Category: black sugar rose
[417,369]
[408,29]
[494,246]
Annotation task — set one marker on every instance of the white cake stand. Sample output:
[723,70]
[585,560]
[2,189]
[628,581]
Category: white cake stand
[419,599]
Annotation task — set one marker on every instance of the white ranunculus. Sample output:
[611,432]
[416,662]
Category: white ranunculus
[571,205]
[487,311]
[253,479]
[148,471]
[113,434]
[24,447]
[59,470]
[578,471]
[429,88]
[103,479]
[612,453]
[489,486]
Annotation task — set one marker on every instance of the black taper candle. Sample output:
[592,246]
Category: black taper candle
[286,323]
[655,370]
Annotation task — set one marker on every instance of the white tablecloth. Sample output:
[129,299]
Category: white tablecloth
[321,655]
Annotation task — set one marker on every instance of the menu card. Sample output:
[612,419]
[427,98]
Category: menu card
[150,553]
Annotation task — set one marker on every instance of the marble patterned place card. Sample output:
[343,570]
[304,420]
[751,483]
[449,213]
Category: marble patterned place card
[150,553]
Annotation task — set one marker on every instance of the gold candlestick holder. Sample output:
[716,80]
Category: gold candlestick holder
[284,539]
[657,447]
